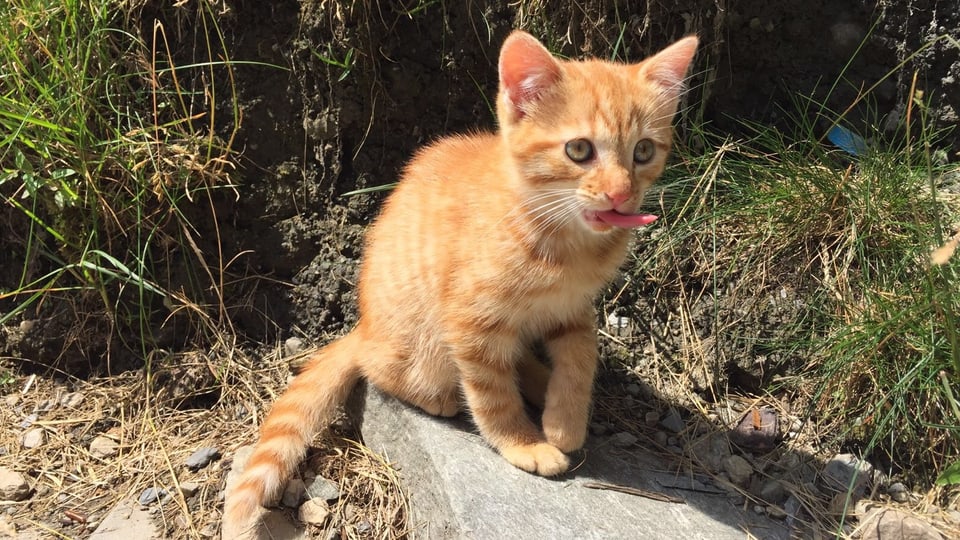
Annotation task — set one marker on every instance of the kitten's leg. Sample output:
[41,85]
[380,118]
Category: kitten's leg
[534,376]
[488,375]
[434,391]
[573,352]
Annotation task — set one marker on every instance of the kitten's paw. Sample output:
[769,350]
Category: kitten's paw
[437,406]
[564,437]
[539,458]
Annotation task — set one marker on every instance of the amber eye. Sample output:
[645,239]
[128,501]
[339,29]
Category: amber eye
[579,150]
[643,151]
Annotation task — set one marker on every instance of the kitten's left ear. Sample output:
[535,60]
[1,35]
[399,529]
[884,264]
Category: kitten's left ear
[527,71]
[668,67]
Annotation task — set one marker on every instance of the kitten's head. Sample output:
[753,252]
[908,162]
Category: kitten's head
[588,138]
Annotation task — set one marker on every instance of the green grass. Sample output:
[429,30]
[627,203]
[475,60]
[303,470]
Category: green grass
[876,337]
[105,142]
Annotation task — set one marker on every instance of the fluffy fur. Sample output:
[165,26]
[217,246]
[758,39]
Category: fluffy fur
[490,244]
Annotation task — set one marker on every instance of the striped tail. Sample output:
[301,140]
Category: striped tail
[307,406]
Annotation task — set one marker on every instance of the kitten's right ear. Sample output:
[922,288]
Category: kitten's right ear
[527,70]
[668,67]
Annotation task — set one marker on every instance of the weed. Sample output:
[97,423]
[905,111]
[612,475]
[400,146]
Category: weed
[105,148]
[878,324]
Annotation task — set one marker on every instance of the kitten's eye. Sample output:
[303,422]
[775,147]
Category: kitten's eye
[643,151]
[579,150]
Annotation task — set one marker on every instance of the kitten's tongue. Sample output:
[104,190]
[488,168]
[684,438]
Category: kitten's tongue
[612,217]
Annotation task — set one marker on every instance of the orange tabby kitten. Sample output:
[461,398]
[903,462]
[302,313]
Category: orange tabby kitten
[491,243]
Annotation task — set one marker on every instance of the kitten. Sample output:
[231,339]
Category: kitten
[490,244]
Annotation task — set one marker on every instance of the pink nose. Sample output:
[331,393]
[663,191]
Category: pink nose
[618,198]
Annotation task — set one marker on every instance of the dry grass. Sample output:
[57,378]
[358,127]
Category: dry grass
[158,418]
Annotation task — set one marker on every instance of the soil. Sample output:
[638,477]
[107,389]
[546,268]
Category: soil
[313,131]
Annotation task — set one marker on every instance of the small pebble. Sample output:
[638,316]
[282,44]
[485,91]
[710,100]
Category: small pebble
[846,472]
[633,389]
[72,399]
[103,447]
[201,458]
[323,489]
[292,346]
[623,439]
[672,421]
[47,405]
[772,491]
[11,400]
[294,493]
[33,438]
[651,418]
[739,470]
[188,489]
[314,512]
[776,512]
[13,485]
[597,428]
[151,495]
[675,450]
[29,420]
[660,438]
[898,492]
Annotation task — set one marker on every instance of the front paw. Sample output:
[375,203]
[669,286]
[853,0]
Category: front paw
[538,458]
[567,436]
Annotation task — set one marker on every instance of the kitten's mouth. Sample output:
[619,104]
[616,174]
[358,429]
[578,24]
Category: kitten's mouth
[612,218]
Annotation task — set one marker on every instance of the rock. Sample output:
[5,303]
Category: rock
[7,529]
[772,491]
[461,488]
[672,421]
[757,430]
[72,399]
[323,489]
[898,492]
[201,458]
[292,346]
[29,420]
[792,508]
[623,439]
[294,493]
[889,524]
[13,485]
[776,512]
[710,451]
[126,521]
[151,495]
[846,472]
[188,489]
[739,470]
[661,438]
[651,418]
[33,438]
[314,512]
[103,447]
[597,428]
[11,400]
[633,389]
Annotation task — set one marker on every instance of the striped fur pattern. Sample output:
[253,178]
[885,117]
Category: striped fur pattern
[491,243]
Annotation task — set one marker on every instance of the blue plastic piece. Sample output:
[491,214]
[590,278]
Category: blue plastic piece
[847,140]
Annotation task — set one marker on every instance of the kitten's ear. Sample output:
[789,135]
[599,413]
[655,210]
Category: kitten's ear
[668,67]
[527,70]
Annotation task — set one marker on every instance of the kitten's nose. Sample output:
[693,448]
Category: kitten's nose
[617,198]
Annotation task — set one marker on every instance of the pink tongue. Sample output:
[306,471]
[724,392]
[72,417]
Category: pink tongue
[612,217]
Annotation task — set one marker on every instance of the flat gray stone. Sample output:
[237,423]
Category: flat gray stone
[461,488]
[127,520]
